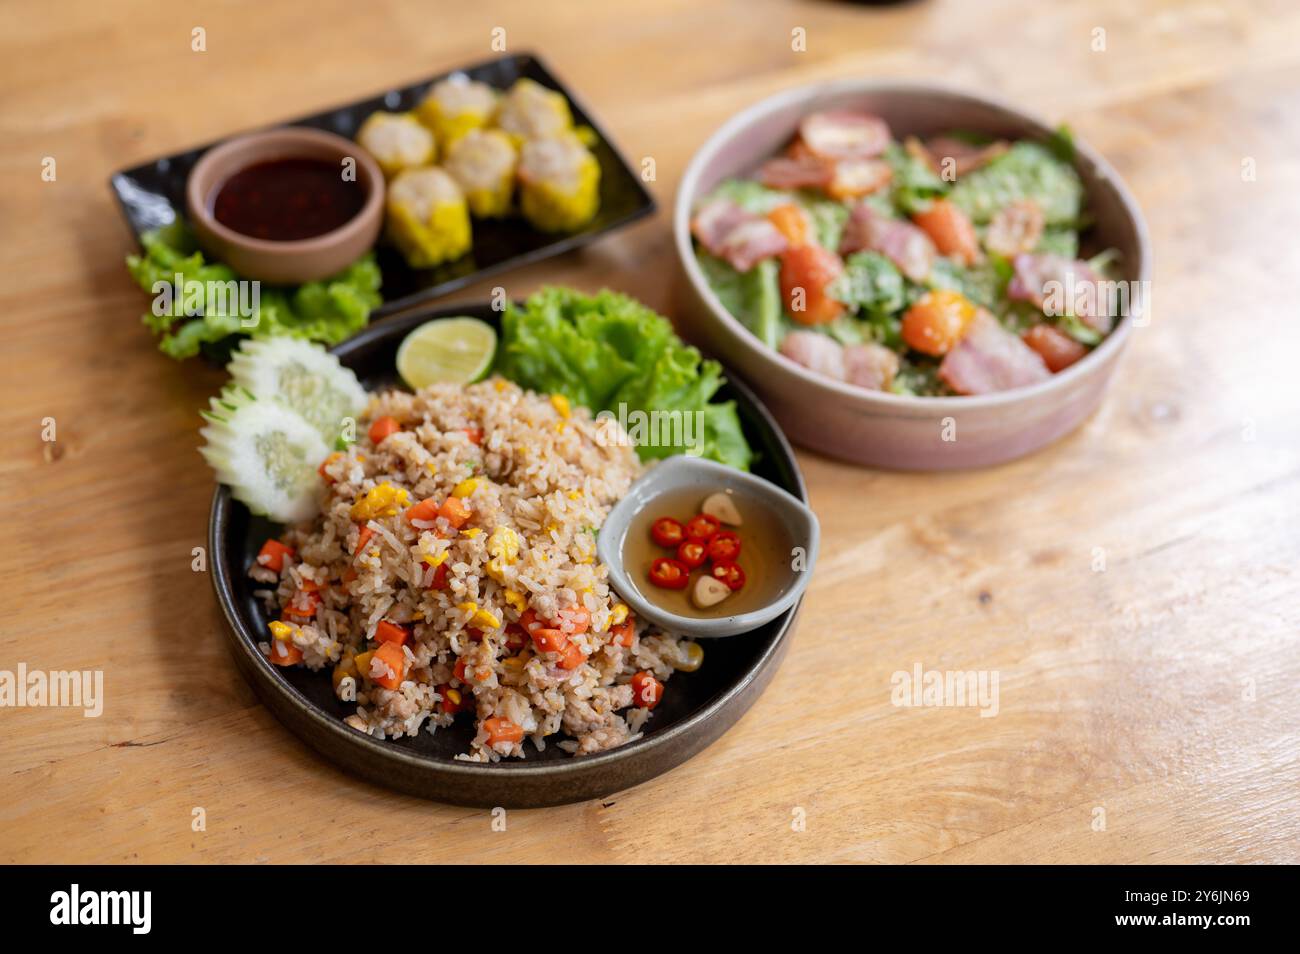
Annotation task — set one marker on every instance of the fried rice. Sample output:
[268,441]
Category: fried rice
[538,479]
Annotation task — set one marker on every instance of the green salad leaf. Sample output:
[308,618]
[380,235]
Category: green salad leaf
[753,297]
[200,304]
[914,183]
[1028,170]
[611,353]
[871,283]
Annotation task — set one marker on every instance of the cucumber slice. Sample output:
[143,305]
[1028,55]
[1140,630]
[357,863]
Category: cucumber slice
[302,377]
[266,453]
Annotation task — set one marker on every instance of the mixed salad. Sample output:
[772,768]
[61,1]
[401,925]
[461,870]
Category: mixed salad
[917,267]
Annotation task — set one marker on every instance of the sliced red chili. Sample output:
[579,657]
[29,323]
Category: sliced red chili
[701,526]
[670,574]
[724,547]
[667,532]
[729,573]
[692,553]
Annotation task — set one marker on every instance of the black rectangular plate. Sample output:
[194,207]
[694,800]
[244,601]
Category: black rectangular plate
[153,194]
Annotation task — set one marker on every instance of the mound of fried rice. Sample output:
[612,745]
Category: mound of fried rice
[537,467]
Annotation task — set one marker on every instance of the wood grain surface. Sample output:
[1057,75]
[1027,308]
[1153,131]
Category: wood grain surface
[1134,586]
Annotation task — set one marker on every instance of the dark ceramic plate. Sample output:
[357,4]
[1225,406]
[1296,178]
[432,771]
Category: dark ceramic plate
[153,194]
[696,710]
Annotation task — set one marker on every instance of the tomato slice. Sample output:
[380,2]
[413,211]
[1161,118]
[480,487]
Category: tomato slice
[724,547]
[729,573]
[692,552]
[670,574]
[702,526]
[667,532]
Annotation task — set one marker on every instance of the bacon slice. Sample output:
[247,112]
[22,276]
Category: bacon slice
[730,232]
[816,352]
[901,242]
[870,366]
[854,178]
[844,135]
[801,172]
[989,358]
[1063,284]
[966,157]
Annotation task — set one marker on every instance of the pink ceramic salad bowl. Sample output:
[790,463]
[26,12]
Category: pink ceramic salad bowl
[874,427]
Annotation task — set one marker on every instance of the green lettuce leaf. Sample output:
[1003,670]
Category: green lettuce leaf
[611,353]
[1028,170]
[327,311]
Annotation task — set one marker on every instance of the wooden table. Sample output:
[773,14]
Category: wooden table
[1147,710]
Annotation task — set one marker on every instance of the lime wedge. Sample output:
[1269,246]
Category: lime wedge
[447,350]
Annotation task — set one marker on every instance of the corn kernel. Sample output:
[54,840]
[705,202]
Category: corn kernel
[516,601]
[575,494]
[485,620]
[470,607]
[431,467]
[453,696]
[692,658]
[499,384]
[436,559]
[561,404]
[465,487]
[362,663]
[619,614]
[504,543]
[281,630]
[347,667]
[472,532]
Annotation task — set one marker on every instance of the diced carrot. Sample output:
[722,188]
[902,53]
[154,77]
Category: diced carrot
[284,653]
[325,463]
[791,222]
[502,730]
[426,510]
[392,655]
[363,537]
[475,635]
[272,555]
[459,670]
[549,640]
[455,511]
[439,576]
[623,633]
[387,632]
[302,604]
[529,620]
[646,690]
[573,657]
[349,575]
[382,427]
[578,618]
[475,434]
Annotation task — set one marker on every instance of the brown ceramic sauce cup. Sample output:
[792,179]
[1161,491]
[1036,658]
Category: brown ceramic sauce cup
[291,262]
